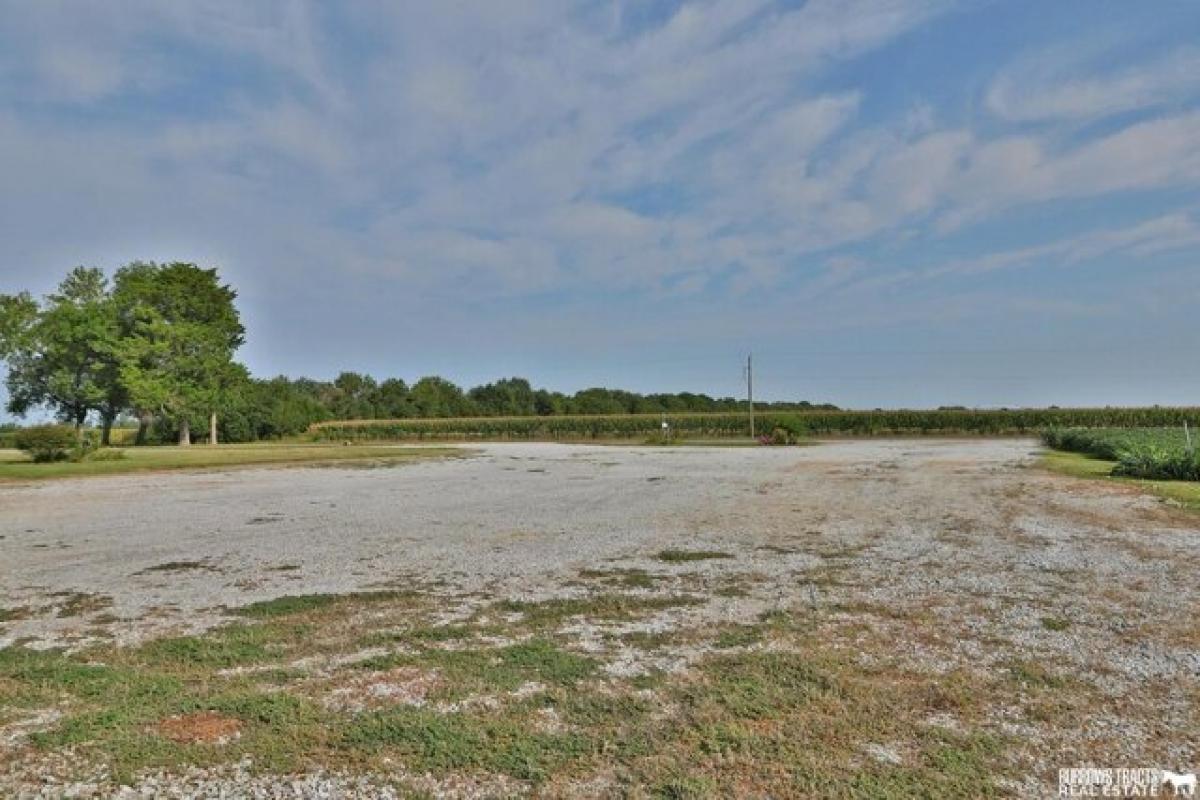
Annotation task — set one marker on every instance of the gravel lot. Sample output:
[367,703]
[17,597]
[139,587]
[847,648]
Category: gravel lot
[976,556]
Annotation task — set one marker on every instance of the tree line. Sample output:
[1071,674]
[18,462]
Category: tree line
[156,346]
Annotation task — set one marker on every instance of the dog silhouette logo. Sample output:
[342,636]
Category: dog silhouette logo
[1182,784]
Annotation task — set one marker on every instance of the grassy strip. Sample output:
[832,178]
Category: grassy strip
[1077,465]
[15,466]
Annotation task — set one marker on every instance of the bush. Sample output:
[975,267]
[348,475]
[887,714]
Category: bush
[786,430]
[46,443]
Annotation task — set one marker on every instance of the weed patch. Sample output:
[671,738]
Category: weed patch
[595,607]
[685,556]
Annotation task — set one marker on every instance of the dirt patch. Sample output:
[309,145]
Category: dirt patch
[202,727]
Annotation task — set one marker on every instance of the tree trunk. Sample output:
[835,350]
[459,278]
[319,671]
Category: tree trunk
[106,425]
[185,433]
[144,421]
[212,428]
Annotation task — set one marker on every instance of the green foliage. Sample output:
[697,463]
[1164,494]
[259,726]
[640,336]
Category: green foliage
[46,443]
[61,354]
[181,328]
[787,429]
[1152,453]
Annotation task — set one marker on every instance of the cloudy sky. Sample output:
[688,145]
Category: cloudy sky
[891,202]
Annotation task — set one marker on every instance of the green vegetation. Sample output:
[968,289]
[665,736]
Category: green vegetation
[300,603]
[519,701]
[158,342]
[603,607]
[1151,453]
[46,443]
[15,465]
[1077,465]
[684,556]
[718,425]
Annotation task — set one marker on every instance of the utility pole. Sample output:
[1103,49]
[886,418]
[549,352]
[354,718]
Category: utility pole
[750,389]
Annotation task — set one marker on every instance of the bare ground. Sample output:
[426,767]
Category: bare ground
[1069,607]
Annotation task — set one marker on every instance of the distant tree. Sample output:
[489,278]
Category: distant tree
[547,403]
[353,397]
[180,330]
[508,397]
[599,400]
[392,400]
[437,397]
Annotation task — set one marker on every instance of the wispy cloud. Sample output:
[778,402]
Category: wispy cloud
[1069,84]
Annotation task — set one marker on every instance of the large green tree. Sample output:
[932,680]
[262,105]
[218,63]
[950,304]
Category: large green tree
[179,331]
[61,355]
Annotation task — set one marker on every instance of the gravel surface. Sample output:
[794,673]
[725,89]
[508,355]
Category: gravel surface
[990,551]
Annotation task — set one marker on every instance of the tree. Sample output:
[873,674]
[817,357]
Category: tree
[392,400]
[61,354]
[18,313]
[437,397]
[180,330]
[353,400]
[509,397]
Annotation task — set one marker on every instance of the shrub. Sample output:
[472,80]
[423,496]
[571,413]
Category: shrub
[46,443]
[786,430]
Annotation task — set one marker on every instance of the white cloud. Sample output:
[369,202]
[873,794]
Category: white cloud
[1049,87]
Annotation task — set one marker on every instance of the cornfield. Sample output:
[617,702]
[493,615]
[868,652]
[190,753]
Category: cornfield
[731,425]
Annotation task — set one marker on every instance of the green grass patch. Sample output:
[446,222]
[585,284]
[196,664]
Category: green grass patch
[429,741]
[1077,465]
[231,646]
[16,466]
[629,578]
[289,605]
[474,671]
[741,636]
[685,556]
[601,607]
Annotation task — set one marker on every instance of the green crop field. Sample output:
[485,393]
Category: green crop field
[730,425]
[1152,453]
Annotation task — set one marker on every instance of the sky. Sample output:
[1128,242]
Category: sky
[890,202]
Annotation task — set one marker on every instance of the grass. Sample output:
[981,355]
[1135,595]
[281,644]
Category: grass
[288,605]
[685,556]
[518,700]
[16,466]
[1077,465]
[602,607]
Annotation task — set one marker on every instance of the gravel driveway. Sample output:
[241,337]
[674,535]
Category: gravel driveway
[961,551]
[172,549]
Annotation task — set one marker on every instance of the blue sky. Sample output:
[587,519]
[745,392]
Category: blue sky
[892,203]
